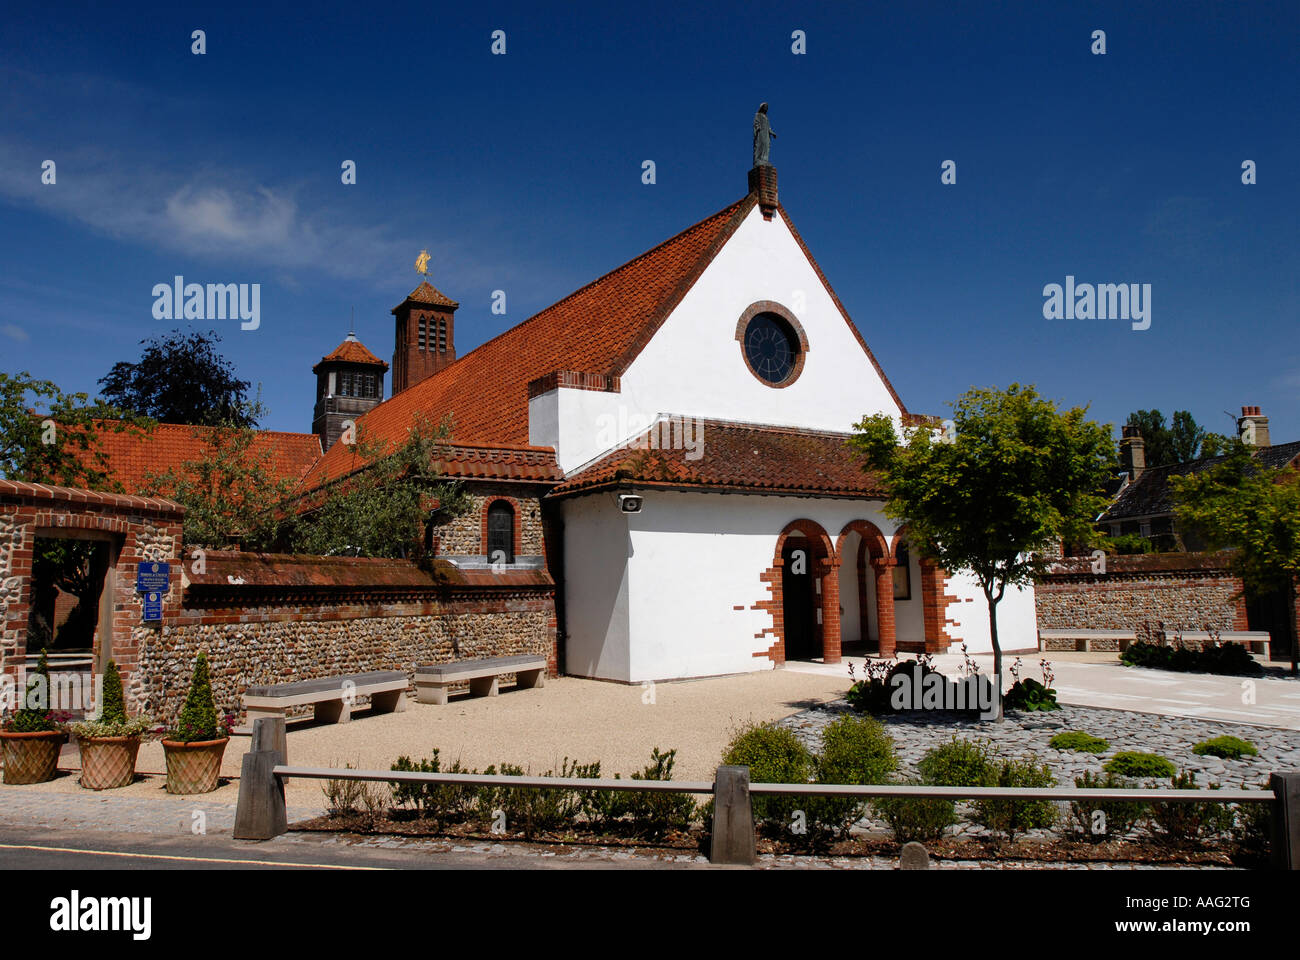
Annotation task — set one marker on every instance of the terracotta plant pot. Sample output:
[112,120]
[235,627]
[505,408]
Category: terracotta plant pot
[32,757]
[108,762]
[194,767]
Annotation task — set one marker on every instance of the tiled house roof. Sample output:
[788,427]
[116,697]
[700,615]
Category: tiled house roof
[131,455]
[1150,495]
[597,329]
[736,457]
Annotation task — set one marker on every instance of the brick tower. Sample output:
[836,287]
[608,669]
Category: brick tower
[425,339]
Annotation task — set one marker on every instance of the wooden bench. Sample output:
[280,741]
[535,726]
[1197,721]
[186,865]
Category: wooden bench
[433,681]
[332,698]
[1083,638]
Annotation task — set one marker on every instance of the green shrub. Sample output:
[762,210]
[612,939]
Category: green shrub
[36,713]
[1253,830]
[1229,748]
[112,720]
[1232,659]
[1178,824]
[350,797]
[921,819]
[1010,817]
[440,802]
[114,708]
[959,763]
[198,719]
[1118,816]
[1030,696]
[1128,763]
[651,814]
[855,750]
[1079,741]
[774,755]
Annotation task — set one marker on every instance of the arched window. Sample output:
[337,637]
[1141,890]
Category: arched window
[501,533]
[902,573]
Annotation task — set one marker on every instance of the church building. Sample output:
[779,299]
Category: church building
[667,444]
[676,430]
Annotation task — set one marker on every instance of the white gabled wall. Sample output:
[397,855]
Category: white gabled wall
[693,366]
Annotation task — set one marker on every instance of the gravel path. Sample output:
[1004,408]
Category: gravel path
[1029,734]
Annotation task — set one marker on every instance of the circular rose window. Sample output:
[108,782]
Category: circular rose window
[772,348]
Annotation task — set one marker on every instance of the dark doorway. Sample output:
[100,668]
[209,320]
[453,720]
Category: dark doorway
[1272,611]
[67,581]
[800,599]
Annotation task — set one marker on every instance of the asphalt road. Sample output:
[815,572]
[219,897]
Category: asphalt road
[44,849]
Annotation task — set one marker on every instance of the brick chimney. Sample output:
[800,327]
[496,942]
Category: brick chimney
[1132,451]
[762,181]
[425,337]
[1252,427]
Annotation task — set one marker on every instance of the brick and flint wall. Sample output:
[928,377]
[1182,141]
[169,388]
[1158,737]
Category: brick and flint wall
[1184,591]
[267,619]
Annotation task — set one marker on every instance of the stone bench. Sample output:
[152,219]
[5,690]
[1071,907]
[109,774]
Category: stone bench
[331,698]
[1256,641]
[432,681]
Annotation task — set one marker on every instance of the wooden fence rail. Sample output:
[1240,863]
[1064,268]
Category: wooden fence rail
[261,813]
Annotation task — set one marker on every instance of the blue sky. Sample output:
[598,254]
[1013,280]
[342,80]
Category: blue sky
[523,173]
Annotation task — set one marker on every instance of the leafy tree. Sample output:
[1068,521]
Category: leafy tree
[198,719]
[1018,476]
[48,436]
[391,491]
[1179,442]
[180,378]
[1244,504]
[231,493]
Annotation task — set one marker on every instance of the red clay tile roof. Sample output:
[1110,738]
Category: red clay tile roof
[45,493]
[474,461]
[427,293]
[131,456]
[742,457]
[598,329]
[351,350]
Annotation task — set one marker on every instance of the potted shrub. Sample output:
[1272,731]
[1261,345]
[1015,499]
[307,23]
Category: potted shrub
[195,747]
[33,734]
[110,743]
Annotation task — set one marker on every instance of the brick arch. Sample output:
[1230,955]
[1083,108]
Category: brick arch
[873,550]
[871,536]
[934,597]
[827,569]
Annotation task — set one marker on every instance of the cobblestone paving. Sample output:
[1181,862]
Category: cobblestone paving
[1029,733]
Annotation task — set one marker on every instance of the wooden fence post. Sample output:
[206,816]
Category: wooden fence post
[1286,820]
[733,818]
[261,812]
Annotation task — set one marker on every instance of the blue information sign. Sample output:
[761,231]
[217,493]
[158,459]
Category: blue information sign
[153,576]
[153,606]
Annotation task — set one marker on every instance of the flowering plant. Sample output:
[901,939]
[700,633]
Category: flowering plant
[34,715]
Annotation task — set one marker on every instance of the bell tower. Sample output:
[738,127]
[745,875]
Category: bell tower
[425,336]
[349,383]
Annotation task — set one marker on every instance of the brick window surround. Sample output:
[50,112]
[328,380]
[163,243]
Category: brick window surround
[517,534]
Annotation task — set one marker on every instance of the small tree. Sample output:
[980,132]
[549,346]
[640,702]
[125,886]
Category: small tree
[198,719]
[114,706]
[379,509]
[36,713]
[231,493]
[1018,476]
[1244,504]
[48,436]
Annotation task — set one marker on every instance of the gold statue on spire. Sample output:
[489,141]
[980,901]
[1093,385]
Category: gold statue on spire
[422,263]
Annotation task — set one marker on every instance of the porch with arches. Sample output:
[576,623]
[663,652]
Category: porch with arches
[861,592]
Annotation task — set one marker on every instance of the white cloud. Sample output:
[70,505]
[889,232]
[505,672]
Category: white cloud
[15,332]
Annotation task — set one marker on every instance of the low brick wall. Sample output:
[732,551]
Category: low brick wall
[265,619]
[1187,591]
